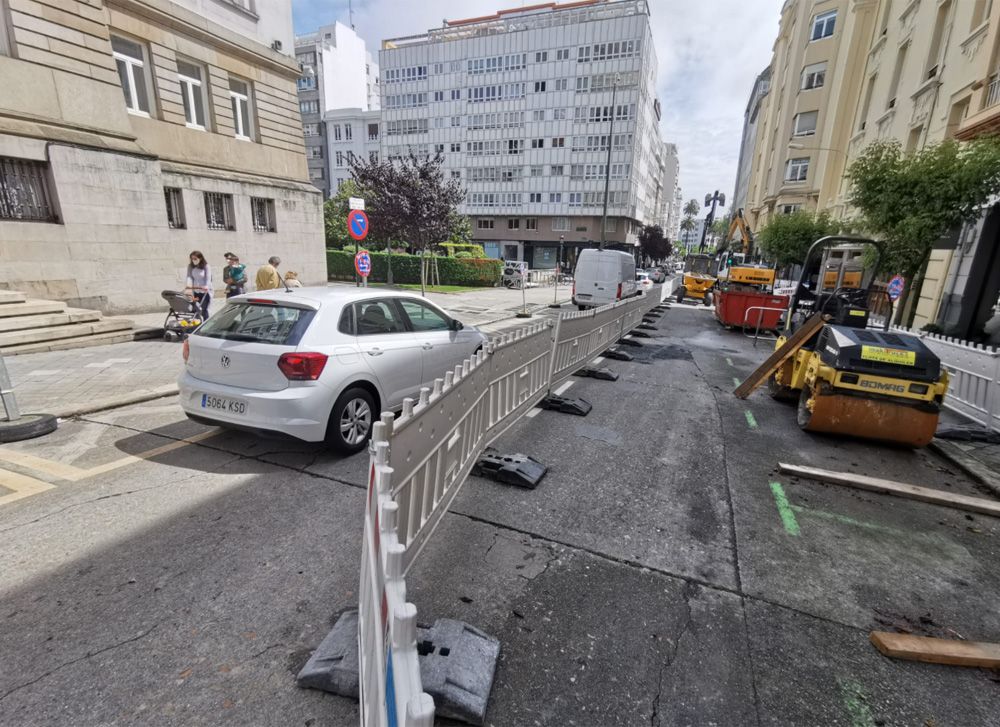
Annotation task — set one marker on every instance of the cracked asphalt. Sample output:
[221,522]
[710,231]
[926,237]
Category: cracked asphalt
[165,573]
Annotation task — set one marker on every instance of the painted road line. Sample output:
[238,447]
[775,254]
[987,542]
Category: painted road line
[149,454]
[751,420]
[533,413]
[730,362]
[736,381]
[598,360]
[784,509]
[562,389]
[40,464]
[855,703]
[21,486]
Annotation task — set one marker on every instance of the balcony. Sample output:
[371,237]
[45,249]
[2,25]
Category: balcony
[987,119]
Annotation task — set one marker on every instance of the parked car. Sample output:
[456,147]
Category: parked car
[643,281]
[602,277]
[318,364]
[658,274]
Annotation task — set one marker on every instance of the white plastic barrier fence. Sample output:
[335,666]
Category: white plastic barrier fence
[974,370]
[419,462]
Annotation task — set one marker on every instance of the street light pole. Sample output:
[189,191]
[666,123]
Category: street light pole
[607,171]
[710,200]
[555,294]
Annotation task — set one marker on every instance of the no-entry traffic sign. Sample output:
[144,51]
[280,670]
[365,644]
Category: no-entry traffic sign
[363,263]
[357,224]
[896,287]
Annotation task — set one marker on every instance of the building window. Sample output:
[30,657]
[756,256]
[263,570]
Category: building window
[24,191]
[484,224]
[515,146]
[611,224]
[309,107]
[130,59]
[539,86]
[538,115]
[192,94]
[348,132]
[575,199]
[538,143]
[373,157]
[336,132]
[310,129]
[562,84]
[536,171]
[175,208]
[897,72]
[456,173]
[823,25]
[239,97]
[307,83]
[316,173]
[813,76]
[372,132]
[980,9]
[513,223]
[560,224]
[456,146]
[456,120]
[340,158]
[262,211]
[555,197]
[531,223]
[534,197]
[805,123]
[439,68]
[315,152]
[556,170]
[562,54]
[541,56]
[456,94]
[219,211]
[439,95]
[797,169]
[439,148]
[559,142]
[787,209]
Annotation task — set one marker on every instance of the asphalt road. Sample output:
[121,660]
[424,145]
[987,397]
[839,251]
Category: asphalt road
[657,576]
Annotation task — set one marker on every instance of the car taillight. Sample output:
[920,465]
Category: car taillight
[186,350]
[302,366]
[618,295]
[574,289]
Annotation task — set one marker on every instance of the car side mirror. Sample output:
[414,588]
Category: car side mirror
[455,325]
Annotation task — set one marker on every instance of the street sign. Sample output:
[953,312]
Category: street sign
[357,224]
[363,263]
[896,287]
[355,203]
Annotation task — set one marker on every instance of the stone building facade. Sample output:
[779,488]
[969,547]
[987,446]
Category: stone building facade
[134,131]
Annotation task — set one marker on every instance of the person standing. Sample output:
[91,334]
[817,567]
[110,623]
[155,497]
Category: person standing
[199,281]
[268,277]
[292,280]
[234,275]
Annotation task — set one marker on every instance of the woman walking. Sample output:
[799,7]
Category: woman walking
[199,282]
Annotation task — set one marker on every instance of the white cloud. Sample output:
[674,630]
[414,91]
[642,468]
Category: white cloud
[709,52]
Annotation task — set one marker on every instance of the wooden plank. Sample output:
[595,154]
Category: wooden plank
[937,651]
[776,359]
[900,489]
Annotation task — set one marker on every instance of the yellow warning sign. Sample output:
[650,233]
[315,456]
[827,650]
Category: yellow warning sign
[889,355]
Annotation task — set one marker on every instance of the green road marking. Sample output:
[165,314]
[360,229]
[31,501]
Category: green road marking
[845,520]
[784,509]
[730,362]
[736,381]
[856,704]
[751,421]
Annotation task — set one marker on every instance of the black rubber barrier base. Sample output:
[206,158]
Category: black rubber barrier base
[640,334]
[629,342]
[647,327]
[595,372]
[519,470]
[457,665]
[566,406]
[615,355]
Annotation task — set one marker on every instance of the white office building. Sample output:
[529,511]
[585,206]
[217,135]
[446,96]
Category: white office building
[521,104]
[338,74]
[349,133]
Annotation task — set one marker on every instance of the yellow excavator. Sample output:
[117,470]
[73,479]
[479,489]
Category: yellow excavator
[848,378]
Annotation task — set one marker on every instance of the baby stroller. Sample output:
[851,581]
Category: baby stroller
[182,318]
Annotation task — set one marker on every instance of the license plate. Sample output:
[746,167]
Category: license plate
[223,404]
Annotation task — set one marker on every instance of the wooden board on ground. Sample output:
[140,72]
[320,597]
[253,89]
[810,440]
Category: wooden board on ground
[776,359]
[901,489]
[937,651]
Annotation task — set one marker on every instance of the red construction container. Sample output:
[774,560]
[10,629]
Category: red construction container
[731,308]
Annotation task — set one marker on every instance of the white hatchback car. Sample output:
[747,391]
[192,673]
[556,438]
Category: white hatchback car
[318,364]
[643,281]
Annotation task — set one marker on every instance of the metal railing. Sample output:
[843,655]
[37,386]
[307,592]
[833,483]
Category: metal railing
[993,92]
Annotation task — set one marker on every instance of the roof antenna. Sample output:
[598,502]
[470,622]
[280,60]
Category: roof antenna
[350,11]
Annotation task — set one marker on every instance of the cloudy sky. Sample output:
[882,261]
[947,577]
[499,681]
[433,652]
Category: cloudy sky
[709,53]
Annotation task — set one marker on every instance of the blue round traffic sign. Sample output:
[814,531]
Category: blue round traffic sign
[363,263]
[357,224]
[895,288]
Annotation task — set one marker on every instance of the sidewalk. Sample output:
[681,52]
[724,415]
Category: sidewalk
[980,460]
[82,380]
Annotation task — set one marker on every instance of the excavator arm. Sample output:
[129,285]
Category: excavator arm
[739,224]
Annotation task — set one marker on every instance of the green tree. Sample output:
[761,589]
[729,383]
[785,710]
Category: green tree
[910,200]
[692,208]
[653,243]
[785,239]
[335,212]
[720,231]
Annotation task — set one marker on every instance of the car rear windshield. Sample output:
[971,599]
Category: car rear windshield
[258,323]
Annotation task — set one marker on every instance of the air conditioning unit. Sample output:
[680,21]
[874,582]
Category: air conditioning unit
[276,45]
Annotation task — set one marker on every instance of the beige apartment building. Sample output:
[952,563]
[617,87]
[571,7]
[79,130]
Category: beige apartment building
[135,131]
[919,71]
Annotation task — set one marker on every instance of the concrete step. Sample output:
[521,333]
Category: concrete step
[30,307]
[45,320]
[97,339]
[12,339]
[11,296]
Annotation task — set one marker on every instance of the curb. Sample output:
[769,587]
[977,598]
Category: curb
[115,401]
[978,471]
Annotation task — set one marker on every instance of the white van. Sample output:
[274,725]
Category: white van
[602,277]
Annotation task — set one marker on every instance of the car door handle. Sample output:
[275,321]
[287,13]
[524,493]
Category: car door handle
[374,351]
[428,346]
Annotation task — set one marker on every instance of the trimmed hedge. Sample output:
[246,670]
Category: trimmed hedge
[476,272]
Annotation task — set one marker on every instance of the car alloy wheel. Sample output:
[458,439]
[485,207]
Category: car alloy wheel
[355,422]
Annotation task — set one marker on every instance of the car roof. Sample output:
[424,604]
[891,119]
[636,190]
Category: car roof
[316,296]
